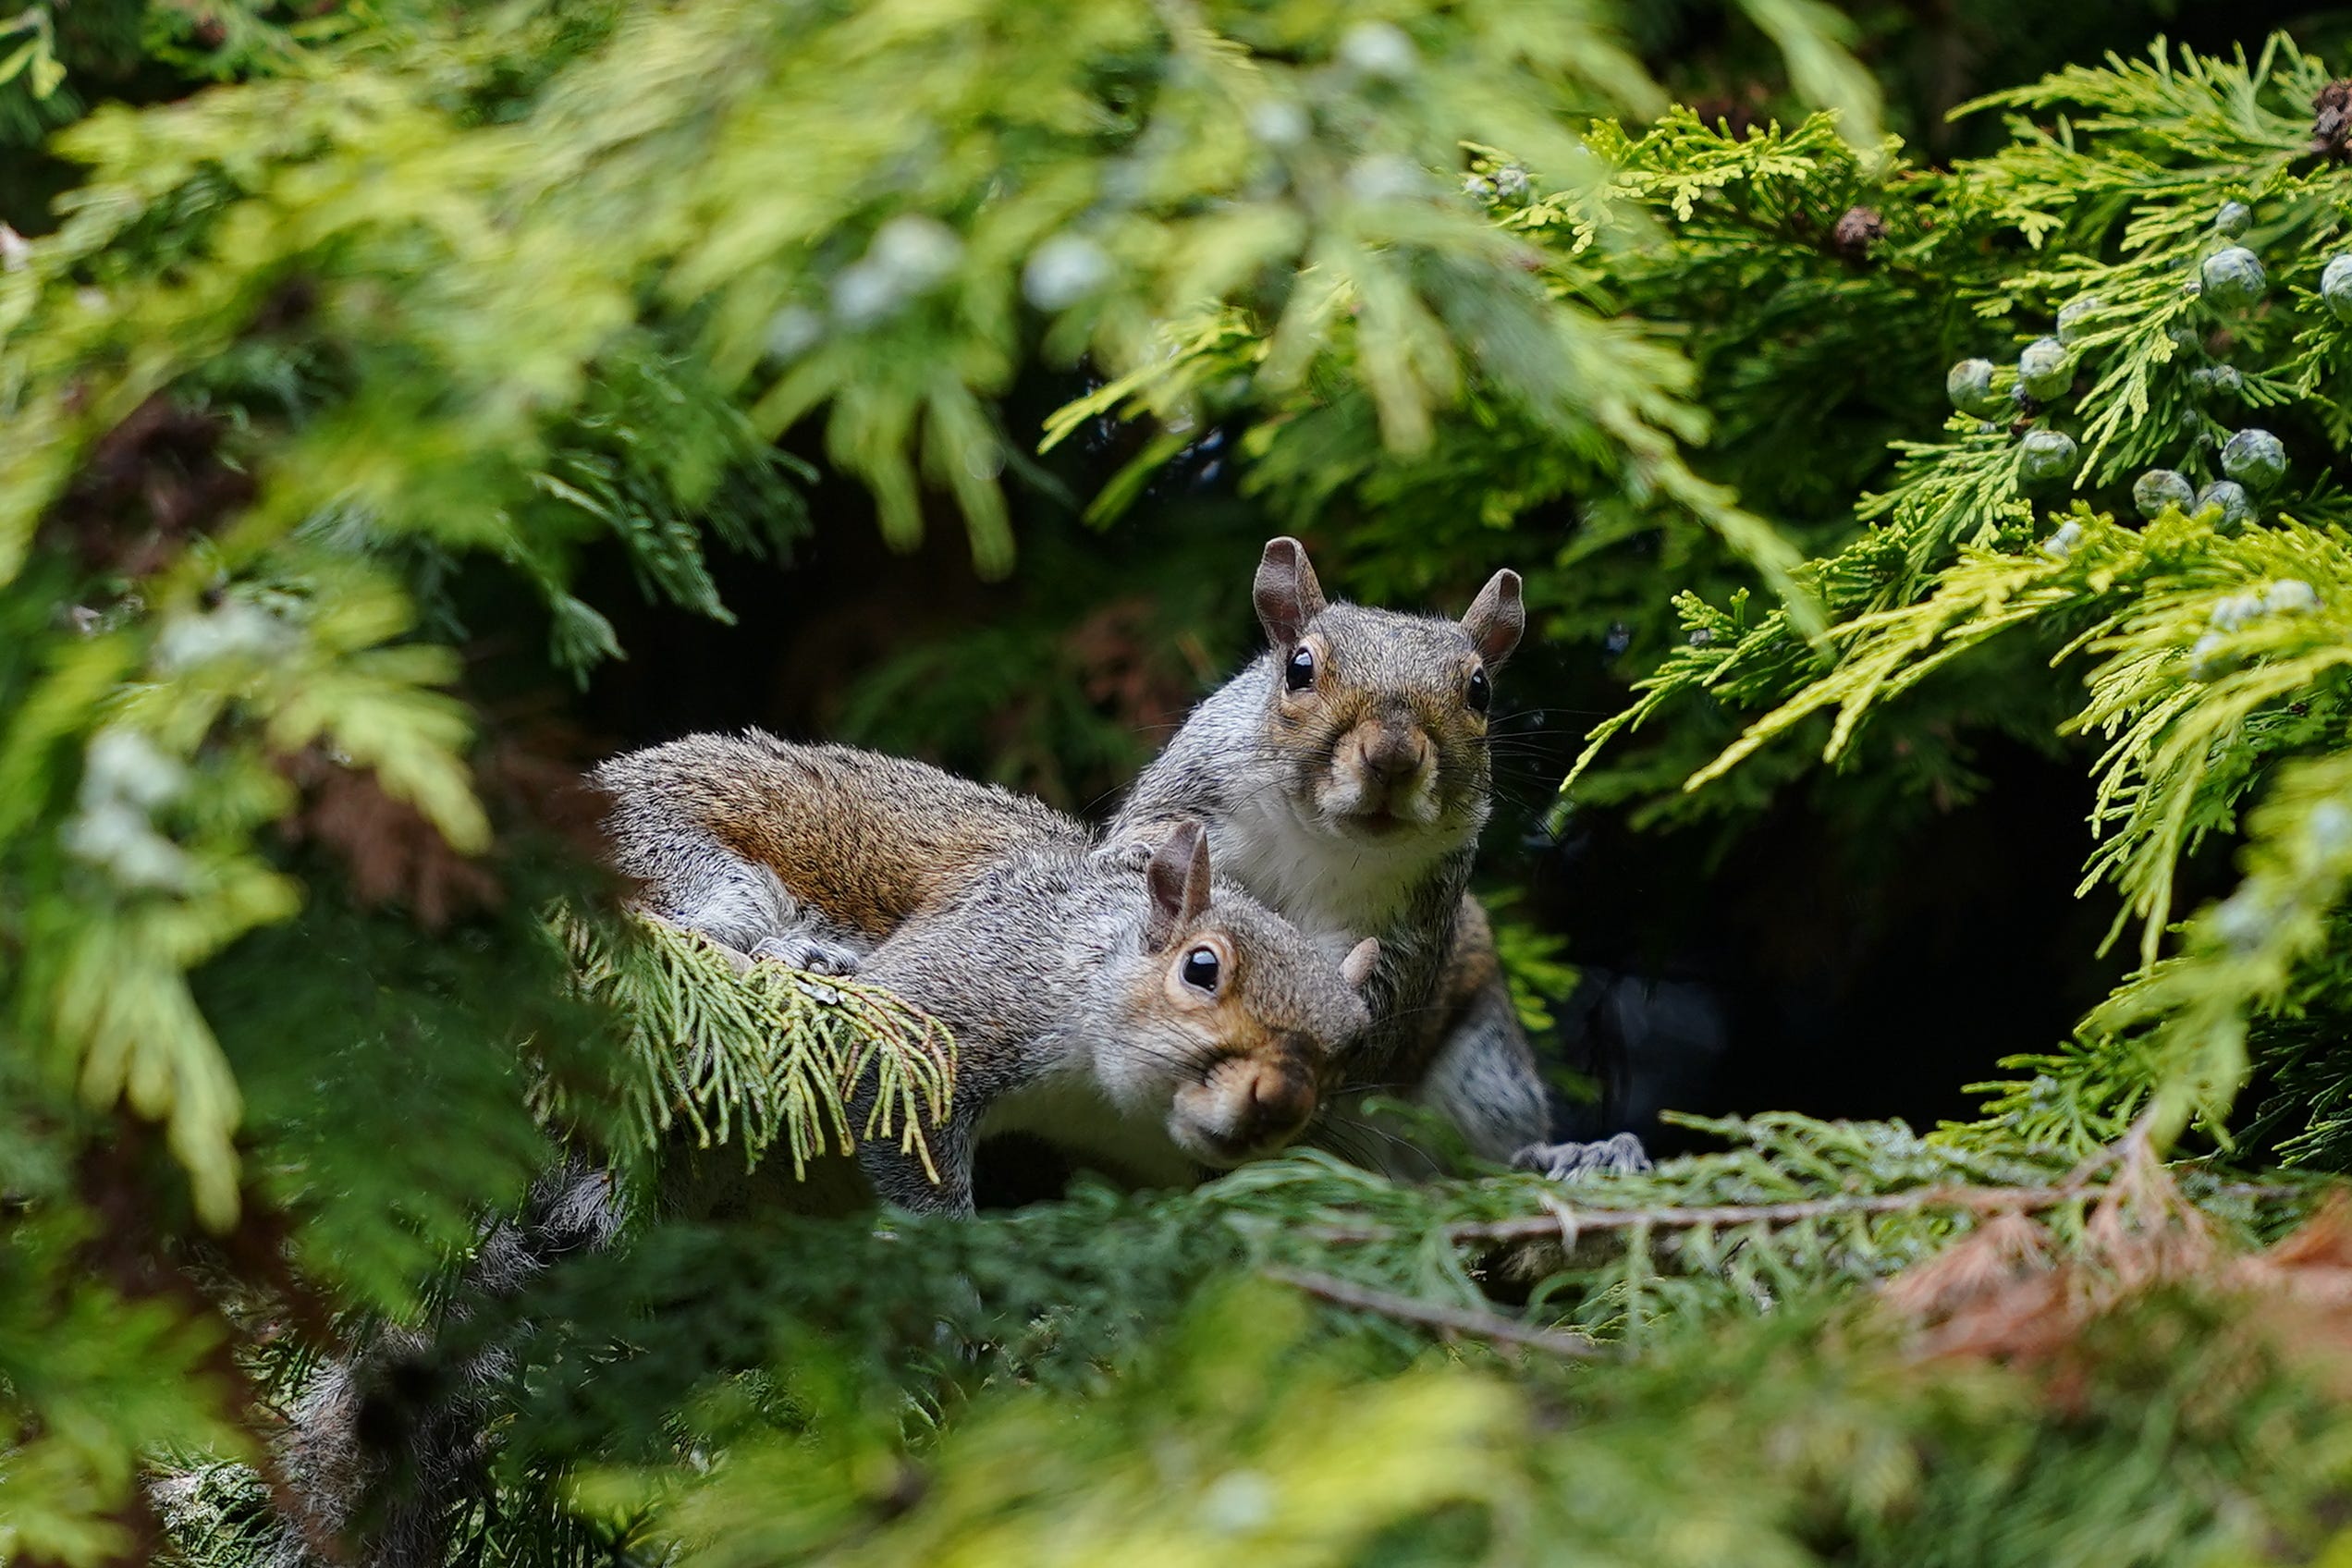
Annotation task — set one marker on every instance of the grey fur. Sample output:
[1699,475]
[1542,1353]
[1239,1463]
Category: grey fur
[384,1445]
[1619,1156]
[1484,1080]
[1057,964]
[1050,969]
[804,855]
[1050,957]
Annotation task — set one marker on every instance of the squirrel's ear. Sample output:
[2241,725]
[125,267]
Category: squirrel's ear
[1357,968]
[1285,593]
[1496,617]
[1178,876]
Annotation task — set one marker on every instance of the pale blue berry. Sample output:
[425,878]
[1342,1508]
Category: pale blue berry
[2071,315]
[2290,595]
[2045,456]
[2160,488]
[1380,49]
[922,250]
[2336,287]
[2217,381]
[2245,919]
[863,292]
[2231,497]
[1969,386]
[793,331]
[127,765]
[2233,218]
[2044,371]
[1385,176]
[2237,610]
[2255,458]
[1277,122]
[2062,543]
[1239,1502]
[2327,830]
[911,255]
[2234,278]
[1064,270]
[237,630]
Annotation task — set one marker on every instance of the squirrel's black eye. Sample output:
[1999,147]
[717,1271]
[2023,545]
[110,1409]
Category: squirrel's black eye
[1479,693]
[1298,674]
[1201,969]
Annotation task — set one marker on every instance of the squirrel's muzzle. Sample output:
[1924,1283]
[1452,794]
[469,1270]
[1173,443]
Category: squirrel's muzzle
[1280,1101]
[1247,1106]
[1391,755]
[1385,765]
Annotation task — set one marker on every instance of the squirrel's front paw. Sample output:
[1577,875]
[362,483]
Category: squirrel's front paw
[810,954]
[1619,1156]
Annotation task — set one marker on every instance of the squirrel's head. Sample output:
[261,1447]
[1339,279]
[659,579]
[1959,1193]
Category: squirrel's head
[1380,718]
[1234,1019]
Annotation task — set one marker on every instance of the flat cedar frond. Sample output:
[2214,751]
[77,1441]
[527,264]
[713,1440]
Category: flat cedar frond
[764,1055]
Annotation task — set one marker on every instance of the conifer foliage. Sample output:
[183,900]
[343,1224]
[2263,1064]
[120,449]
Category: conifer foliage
[322,381]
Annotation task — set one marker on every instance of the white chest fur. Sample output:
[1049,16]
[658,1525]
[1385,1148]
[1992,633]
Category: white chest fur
[1329,885]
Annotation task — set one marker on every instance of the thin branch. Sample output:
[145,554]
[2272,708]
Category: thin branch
[1461,1320]
[1566,1223]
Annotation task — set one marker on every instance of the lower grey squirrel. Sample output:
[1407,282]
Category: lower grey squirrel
[1115,997]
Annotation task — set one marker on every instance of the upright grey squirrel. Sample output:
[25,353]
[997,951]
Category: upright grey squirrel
[1115,1000]
[1343,778]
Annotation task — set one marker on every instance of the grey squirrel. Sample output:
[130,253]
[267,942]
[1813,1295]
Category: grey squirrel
[1342,778]
[1116,998]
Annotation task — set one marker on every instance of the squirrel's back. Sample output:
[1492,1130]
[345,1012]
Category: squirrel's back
[863,839]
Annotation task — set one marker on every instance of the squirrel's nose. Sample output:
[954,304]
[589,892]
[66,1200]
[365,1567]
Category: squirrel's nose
[1391,755]
[1279,1103]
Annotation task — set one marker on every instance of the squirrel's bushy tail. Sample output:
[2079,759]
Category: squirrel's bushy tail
[387,1444]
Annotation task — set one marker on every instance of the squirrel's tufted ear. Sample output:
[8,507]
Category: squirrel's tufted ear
[1496,617]
[1178,876]
[1285,593]
[1357,968]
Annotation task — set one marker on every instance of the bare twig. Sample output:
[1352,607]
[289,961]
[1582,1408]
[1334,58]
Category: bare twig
[1560,1219]
[1461,1320]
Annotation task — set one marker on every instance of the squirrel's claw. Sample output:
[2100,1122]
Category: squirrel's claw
[811,955]
[1619,1156]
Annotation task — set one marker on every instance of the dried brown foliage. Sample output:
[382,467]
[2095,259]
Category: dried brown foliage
[152,481]
[1857,229]
[1130,669]
[2008,1294]
[528,781]
[2332,120]
[391,852]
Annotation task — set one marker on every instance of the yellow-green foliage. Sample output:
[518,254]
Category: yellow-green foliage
[764,1056]
[2206,657]
[328,370]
